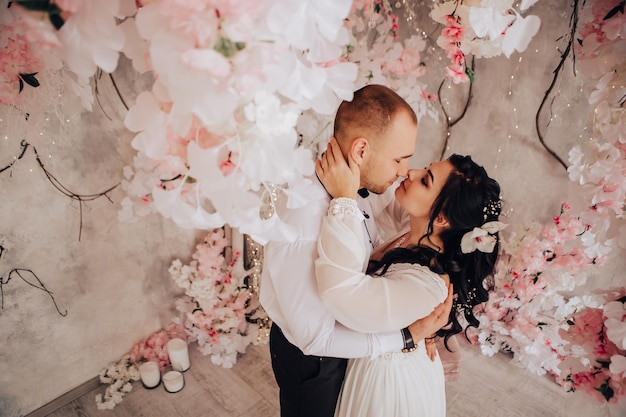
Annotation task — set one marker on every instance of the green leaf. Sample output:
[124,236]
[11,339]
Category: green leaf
[470,73]
[56,20]
[30,79]
[40,6]
[614,10]
[36,5]
[227,47]
[606,391]
[46,6]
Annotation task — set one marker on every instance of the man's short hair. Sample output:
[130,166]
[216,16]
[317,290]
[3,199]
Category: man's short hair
[370,113]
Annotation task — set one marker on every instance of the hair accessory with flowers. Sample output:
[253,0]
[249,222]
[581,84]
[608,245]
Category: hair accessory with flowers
[481,238]
[493,209]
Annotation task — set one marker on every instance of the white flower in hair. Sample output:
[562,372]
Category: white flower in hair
[481,238]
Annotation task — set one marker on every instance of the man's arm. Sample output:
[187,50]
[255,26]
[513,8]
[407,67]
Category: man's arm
[289,296]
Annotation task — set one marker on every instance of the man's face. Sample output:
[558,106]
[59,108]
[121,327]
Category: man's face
[389,156]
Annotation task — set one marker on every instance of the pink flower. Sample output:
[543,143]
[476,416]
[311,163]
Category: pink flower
[409,62]
[153,348]
[228,166]
[457,57]
[453,30]
[428,96]
[457,73]
[15,58]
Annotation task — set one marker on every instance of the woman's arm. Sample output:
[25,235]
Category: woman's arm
[359,301]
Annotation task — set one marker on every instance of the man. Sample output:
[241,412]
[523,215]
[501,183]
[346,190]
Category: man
[308,347]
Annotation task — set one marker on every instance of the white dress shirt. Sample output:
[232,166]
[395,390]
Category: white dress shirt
[362,302]
[289,291]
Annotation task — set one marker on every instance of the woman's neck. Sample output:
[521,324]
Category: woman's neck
[419,227]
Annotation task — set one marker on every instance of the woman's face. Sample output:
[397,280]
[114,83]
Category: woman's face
[417,193]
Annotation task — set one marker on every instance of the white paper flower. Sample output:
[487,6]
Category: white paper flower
[519,35]
[615,311]
[618,365]
[135,47]
[489,21]
[312,25]
[185,214]
[481,238]
[339,86]
[147,118]
[91,38]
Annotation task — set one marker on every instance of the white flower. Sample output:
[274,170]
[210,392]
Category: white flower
[489,21]
[92,38]
[481,238]
[526,4]
[615,311]
[312,25]
[518,36]
[271,117]
[618,365]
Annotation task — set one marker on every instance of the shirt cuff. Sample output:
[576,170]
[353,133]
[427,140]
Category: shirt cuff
[345,206]
[388,342]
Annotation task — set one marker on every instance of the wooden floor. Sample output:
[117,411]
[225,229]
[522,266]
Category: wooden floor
[487,387]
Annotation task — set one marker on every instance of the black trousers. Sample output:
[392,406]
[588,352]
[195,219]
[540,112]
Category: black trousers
[309,385]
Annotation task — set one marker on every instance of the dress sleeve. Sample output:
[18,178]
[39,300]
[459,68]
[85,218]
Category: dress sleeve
[288,293]
[362,302]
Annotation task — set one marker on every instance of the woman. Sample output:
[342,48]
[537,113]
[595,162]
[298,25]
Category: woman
[451,210]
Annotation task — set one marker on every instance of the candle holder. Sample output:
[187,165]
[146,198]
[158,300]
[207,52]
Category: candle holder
[179,354]
[173,381]
[150,375]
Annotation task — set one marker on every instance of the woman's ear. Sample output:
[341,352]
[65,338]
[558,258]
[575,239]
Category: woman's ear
[359,150]
[441,221]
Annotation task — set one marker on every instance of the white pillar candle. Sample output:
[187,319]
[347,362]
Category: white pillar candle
[173,381]
[178,354]
[150,374]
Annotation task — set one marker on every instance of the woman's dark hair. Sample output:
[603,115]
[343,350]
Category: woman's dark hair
[469,199]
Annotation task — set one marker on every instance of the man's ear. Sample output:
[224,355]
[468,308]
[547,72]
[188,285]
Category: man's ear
[359,149]
[441,221]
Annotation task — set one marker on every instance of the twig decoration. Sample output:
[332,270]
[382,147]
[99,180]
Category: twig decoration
[450,123]
[557,72]
[59,186]
[24,146]
[39,285]
[19,271]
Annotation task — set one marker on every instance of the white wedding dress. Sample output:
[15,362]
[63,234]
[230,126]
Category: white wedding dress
[395,384]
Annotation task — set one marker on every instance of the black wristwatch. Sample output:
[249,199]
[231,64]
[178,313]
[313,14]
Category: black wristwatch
[409,344]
